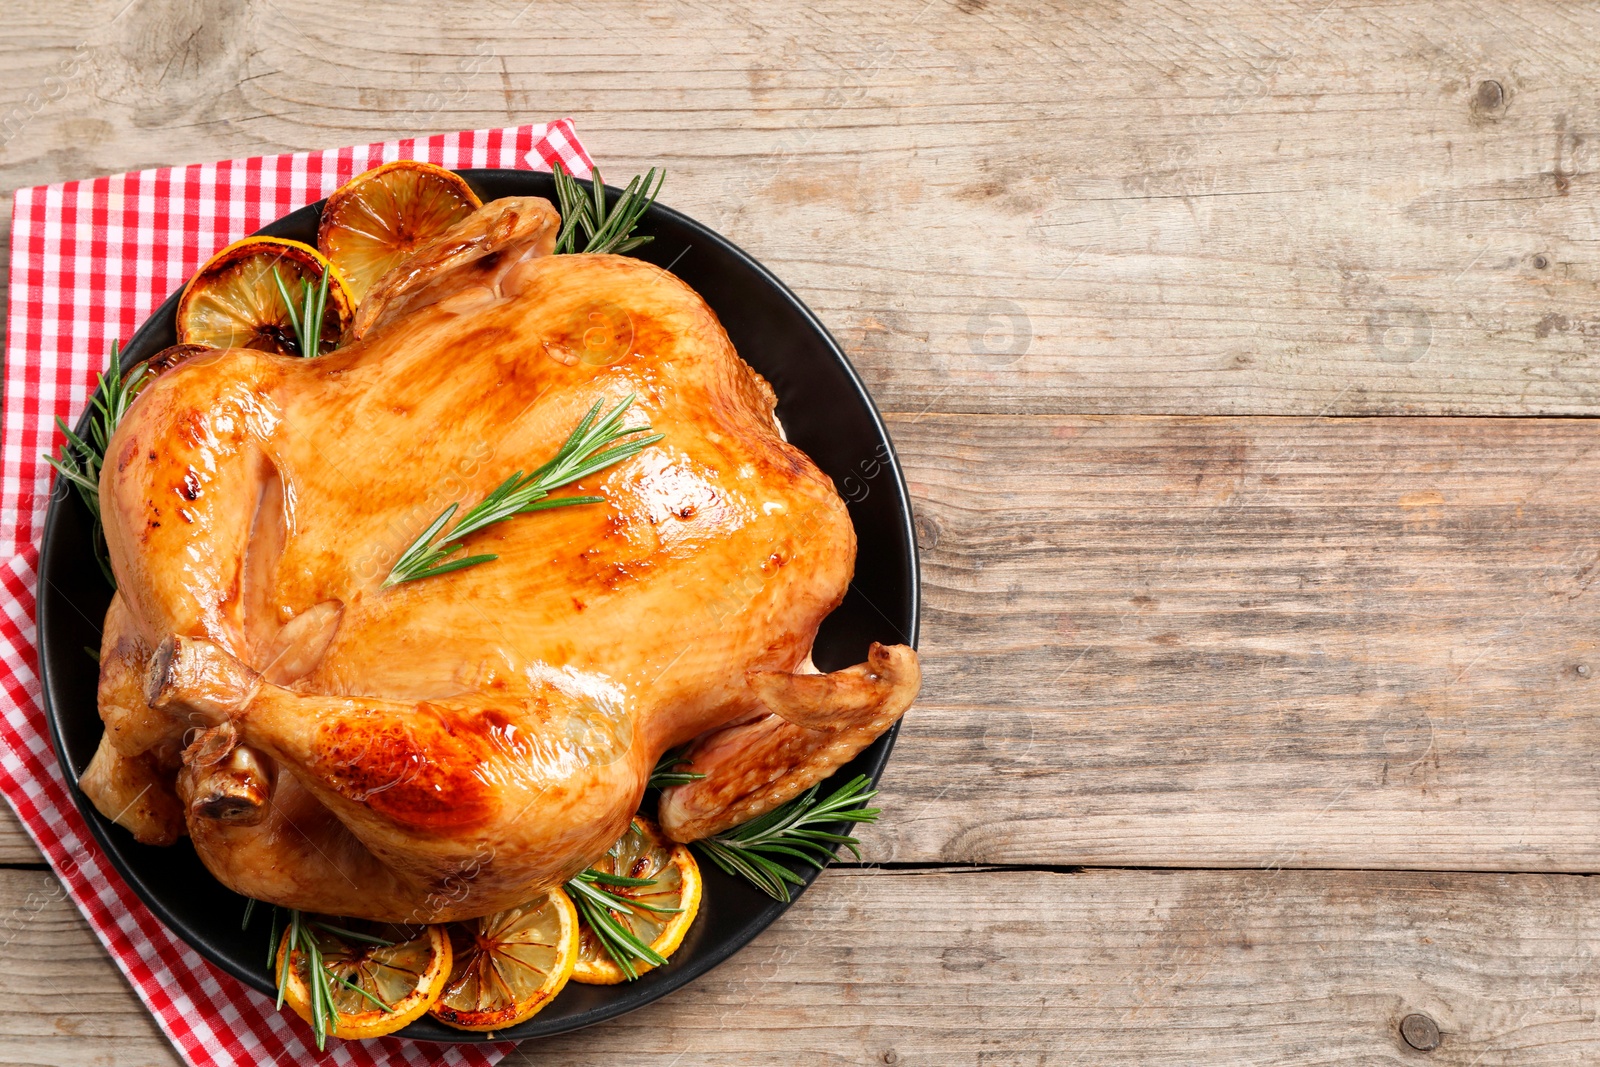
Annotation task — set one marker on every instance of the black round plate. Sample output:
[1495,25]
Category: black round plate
[825,410]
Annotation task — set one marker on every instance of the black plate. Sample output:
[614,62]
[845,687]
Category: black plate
[825,410]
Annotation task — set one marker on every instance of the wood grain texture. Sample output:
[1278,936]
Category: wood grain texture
[64,1000]
[16,847]
[1253,642]
[1208,208]
[1250,642]
[1134,968]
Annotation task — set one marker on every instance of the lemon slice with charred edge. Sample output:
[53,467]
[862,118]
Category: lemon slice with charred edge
[376,219]
[509,965]
[381,977]
[643,852]
[234,300]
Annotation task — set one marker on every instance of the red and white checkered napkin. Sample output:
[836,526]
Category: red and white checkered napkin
[89,261]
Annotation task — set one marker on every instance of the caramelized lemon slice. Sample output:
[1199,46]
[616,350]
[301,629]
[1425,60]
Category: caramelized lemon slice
[234,300]
[376,219]
[509,965]
[675,883]
[397,975]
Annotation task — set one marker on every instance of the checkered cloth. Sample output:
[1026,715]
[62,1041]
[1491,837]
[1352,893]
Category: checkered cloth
[89,261]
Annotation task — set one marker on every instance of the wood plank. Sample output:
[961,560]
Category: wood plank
[1253,642]
[15,844]
[1298,208]
[64,1001]
[1133,967]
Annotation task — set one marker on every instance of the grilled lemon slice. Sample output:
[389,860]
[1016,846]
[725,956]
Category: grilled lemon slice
[397,973]
[643,852]
[234,300]
[509,965]
[376,219]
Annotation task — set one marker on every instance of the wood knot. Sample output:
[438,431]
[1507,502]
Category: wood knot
[1491,94]
[1420,1032]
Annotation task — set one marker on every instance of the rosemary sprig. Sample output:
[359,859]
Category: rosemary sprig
[748,850]
[664,774]
[324,1016]
[320,976]
[600,909]
[302,940]
[605,229]
[81,457]
[322,1009]
[307,322]
[595,444]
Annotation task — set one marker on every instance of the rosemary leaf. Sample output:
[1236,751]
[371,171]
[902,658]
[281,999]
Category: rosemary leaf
[272,941]
[288,956]
[620,880]
[317,979]
[355,988]
[288,305]
[351,935]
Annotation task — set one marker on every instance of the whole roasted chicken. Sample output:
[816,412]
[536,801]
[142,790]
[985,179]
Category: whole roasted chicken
[450,746]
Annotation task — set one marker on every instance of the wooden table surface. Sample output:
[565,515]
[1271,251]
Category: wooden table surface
[1241,359]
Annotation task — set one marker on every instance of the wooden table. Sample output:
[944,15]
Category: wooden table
[1240,357]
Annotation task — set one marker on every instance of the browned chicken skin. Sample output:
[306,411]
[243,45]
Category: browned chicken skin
[447,747]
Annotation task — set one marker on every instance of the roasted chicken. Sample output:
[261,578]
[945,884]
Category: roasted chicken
[447,747]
